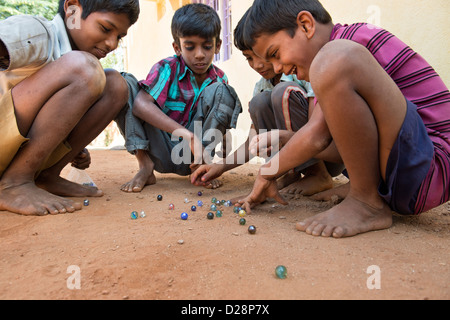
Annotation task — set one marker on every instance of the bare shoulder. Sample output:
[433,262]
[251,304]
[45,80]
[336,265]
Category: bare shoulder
[336,55]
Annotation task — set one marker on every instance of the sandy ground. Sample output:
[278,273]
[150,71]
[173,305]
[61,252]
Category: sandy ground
[164,257]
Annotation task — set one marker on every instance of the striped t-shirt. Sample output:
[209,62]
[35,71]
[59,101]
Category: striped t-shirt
[421,85]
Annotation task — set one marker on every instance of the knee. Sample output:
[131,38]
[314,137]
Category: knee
[283,92]
[260,104]
[116,86]
[86,69]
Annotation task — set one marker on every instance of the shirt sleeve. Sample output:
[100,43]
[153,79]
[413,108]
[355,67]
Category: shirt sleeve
[27,41]
[158,82]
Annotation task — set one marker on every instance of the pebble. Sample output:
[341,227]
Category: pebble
[180,241]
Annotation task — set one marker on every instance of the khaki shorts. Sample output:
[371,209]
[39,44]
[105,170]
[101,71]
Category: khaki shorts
[11,140]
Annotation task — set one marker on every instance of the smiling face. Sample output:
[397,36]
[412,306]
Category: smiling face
[289,54]
[198,53]
[99,33]
[264,68]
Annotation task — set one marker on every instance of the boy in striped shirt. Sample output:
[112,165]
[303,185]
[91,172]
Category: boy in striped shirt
[179,93]
[379,103]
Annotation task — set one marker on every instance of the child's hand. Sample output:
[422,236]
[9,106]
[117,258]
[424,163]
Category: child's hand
[265,144]
[262,190]
[83,160]
[203,175]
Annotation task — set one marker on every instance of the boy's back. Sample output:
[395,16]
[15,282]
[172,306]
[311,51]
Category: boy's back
[417,80]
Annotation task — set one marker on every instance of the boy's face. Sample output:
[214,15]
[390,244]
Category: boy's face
[99,33]
[288,55]
[264,68]
[197,52]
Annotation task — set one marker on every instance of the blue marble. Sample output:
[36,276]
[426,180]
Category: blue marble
[184,216]
[159,197]
[134,215]
[213,207]
[86,203]
[200,203]
[200,193]
[193,208]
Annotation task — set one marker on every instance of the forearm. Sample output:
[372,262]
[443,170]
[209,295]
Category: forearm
[306,144]
[146,109]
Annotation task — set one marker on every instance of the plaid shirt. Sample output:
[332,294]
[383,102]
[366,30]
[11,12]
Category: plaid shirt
[173,86]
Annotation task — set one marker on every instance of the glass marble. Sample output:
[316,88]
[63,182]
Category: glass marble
[186,200]
[210,215]
[219,214]
[159,197]
[281,272]
[200,193]
[213,200]
[184,216]
[171,206]
[134,215]
[213,207]
[242,213]
[142,214]
[242,221]
[86,203]
[193,208]
[228,203]
[237,209]
[252,229]
[200,203]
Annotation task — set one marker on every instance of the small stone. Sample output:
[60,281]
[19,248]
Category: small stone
[180,241]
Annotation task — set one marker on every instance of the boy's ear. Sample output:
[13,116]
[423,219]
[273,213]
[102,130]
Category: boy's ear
[176,48]
[218,46]
[69,6]
[306,23]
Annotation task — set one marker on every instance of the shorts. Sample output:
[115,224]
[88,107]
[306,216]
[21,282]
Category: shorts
[11,140]
[408,164]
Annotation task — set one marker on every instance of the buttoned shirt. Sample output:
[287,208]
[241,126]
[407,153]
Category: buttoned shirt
[174,87]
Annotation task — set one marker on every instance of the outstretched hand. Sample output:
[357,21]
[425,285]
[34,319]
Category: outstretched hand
[262,190]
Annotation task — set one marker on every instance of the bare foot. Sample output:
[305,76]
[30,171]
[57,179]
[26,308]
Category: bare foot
[339,192]
[348,219]
[145,176]
[141,179]
[288,179]
[65,188]
[309,185]
[28,199]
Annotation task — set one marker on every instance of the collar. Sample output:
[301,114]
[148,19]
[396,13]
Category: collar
[61,35]
[184,70]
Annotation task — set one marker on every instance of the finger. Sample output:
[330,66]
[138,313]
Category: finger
[279,198]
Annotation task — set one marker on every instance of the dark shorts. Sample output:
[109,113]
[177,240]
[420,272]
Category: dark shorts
[408,165]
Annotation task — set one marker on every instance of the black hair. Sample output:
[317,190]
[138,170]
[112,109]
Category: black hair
[128,7]
[272,16]
[239,41]
[196,19]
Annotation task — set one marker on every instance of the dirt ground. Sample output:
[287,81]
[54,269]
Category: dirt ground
[165,258]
